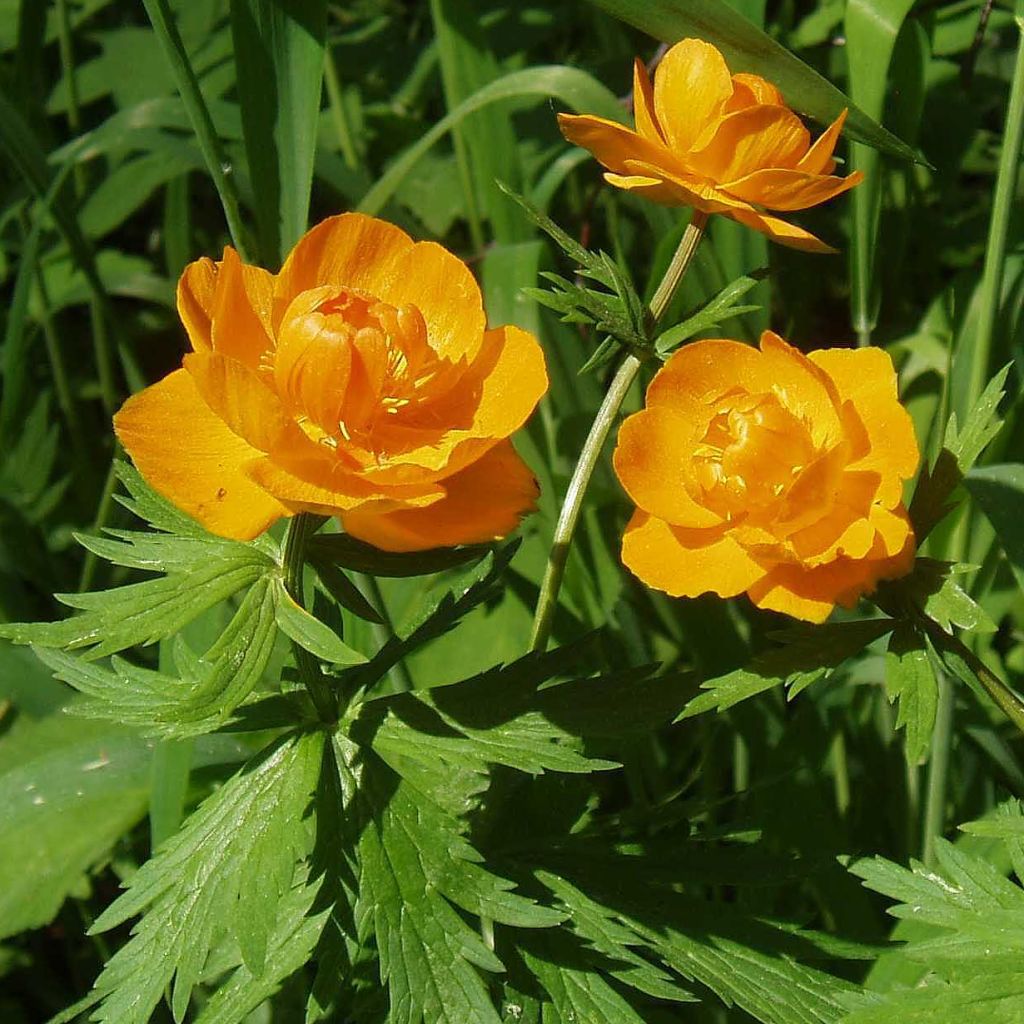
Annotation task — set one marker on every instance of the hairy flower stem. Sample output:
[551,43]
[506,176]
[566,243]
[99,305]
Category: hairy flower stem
[300,529]
[544,616]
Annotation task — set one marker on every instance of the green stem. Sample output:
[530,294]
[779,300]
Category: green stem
[938,770]
[300,529]
[544,616]
[162,19]
[998,230]
[103,510]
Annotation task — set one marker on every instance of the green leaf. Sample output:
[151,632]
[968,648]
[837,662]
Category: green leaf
[224,874]
[809,655]
[747,48]
[717,309]
[414,860]
[951,605]
[576,994]
[960,449]
[345,593]
[344,550]
[69,789]
[212,688]
[999,490]
[310,633]
[139,613]
[279,56]
[910,679]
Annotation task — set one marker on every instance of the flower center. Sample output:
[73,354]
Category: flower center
[345,361]
[751,452]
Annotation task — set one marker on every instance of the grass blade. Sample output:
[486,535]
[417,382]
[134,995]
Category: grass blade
[279,54]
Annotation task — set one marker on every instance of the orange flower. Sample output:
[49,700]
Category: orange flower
[769,472]
[361,381]
[720,143]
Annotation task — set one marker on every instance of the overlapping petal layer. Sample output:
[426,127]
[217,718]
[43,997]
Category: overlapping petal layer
[717,142]
[360,381]
[769,472]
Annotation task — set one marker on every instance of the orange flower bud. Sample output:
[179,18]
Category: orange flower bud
[769,472]
[360,381]
[720,143]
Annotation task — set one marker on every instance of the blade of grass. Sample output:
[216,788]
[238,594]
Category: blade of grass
[485,144]
[217,164]
[871,30]
[279,54]
[570,86]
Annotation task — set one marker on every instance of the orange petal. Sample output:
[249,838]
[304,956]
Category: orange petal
[753,90]
[811,593]
[237,395]
[482,502]
[330,487]
[196,289]
[188,454]
[653,460]
[866,378]
[818,159]
[494,398]
[780,231]
[701,372]
[784,189]
[611,143]
[662,556]
[696,192]
[803,388]
[241,310]
[691,87]
[373,256]
[643,104]
[750,140]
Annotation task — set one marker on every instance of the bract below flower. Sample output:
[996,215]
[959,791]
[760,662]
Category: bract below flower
[721,143]
[361,381]
[769,472]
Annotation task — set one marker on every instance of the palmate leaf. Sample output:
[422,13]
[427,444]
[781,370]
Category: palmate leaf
[212,687]
[809,654]
[973,946]
[414,864]
[909,678]
[740,958]
[223,875]
[720,307]
[961,447]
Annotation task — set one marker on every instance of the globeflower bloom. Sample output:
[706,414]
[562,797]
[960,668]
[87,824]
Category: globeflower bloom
[720,143]
[359,382]
[769,472]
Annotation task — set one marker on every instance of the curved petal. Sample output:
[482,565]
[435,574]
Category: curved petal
[329,486]
[818,159]
[188,454]
[653,460]
[749,140]
[691,86]
[779,230]
[241,310]
[784,189]
[196,288]
[803,388]
[494,398]
[643,104]
[660,555]
[611,143]
[812,593]
[482,502]
[866,378]
[698,192]
[752,90]
[237,395]
[701,372]
[375,257]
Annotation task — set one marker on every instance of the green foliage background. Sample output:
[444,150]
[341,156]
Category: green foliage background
[694,818]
